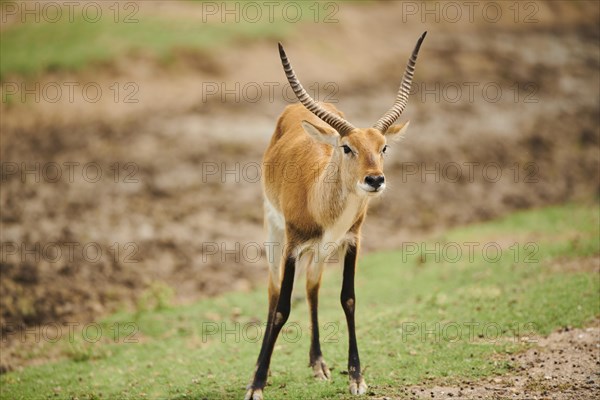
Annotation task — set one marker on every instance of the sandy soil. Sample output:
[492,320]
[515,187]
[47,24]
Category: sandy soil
[174,218]
[565,365]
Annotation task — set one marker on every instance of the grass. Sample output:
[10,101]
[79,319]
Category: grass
[75,41]
[418,319]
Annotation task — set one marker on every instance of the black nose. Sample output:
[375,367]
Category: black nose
[375,181]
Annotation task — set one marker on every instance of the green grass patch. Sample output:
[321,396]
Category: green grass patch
[76,39]
[422,315]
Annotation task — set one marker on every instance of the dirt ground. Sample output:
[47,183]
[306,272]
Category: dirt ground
[177,211]
[563,366]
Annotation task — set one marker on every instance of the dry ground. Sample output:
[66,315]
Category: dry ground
[565,365]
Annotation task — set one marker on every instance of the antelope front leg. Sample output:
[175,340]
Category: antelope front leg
[348,299]
[313,283]
[279,318]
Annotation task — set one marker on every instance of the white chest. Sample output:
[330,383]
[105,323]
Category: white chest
[336,233]
[333,238]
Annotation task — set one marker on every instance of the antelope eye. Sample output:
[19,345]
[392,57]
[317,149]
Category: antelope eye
[347,149]
[384,149]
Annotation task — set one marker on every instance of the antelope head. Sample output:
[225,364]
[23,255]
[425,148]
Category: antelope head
[359,152]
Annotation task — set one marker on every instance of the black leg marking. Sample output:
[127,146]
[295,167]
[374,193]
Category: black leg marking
[273,298]
[315,345]
[320,370]
[348,300]
[277,320]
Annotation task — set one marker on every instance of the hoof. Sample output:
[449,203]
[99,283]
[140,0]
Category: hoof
[320,370]
[358,386]
[254,394]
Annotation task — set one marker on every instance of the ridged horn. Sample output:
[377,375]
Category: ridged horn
[339,124]
[402,97]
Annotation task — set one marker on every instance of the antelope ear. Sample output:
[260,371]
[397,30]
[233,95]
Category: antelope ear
[395,132]
[323,135]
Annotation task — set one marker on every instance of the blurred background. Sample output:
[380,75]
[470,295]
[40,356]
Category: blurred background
[132,133]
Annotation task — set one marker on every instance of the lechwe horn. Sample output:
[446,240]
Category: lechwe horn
[402,98]
[339,124]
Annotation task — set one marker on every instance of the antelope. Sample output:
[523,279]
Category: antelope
[317,212]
